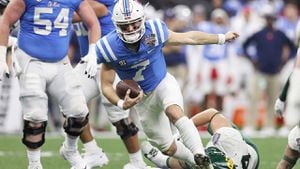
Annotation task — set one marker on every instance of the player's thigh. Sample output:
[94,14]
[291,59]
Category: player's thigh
[168,92]
[66,89]
[90,87]
[114,113]
[154,121]
[32,82]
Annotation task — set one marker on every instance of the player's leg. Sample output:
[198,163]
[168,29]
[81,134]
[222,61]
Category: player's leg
[128,132]
[172,102]
[292,151]
[34,106]
[164,161]
[156,122]
[65,88]
[93,155]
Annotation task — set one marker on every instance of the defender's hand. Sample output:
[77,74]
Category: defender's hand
[279,107]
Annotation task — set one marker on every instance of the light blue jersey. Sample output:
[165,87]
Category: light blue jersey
[45,28]
[105,23]
[215,52]
[146,66]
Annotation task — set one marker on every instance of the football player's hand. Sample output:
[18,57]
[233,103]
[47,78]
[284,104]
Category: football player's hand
[91,60]
[279,107]
[130,102]
[231,36]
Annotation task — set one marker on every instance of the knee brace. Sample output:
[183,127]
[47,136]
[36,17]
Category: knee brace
[126,129]
[34,129]
[74,126]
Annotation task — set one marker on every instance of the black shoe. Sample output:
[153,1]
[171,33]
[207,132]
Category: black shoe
[202,161]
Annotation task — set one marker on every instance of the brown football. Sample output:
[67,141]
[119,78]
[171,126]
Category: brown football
[124,85]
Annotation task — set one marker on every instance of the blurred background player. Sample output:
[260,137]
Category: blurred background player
[42,54]
[126,129]
[215,63]
[227,147]
[268,61]
[134,51]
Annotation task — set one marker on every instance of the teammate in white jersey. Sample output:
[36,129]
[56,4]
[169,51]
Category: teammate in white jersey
[134,51]
[42,54]
[227,148]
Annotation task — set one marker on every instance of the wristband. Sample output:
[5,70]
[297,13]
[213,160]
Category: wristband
[3,50]
[120,104]
[221,39]
[92,48]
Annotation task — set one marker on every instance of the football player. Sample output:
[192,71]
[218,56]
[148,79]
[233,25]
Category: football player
[134,51]
[292,150]
[42,55]
[227,147]
[291,91]
[126,129]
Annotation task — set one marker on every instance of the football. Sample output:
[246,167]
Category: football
[124,85]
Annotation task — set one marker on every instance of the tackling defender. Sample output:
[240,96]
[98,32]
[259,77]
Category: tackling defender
[292,117]
[291,91]
[126,129]
[134,51]
[227,147]
[42,54]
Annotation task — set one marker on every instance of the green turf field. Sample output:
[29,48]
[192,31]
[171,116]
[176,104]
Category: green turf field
[13,156]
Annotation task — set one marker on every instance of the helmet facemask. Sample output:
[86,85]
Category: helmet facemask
[131,32]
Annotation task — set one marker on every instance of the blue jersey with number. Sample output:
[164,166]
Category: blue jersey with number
[146,66]
[105,23]
[45,28]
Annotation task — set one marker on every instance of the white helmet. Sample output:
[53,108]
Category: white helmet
[127,12]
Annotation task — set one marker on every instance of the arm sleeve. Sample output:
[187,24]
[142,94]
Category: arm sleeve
[284,91]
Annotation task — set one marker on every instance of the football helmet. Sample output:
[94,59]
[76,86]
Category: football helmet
[218,159]
[129,20]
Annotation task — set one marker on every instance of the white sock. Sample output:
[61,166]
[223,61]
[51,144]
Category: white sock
[71,142]
[34,156]
[90,146]
[136,158]
[190,135]
[183,153]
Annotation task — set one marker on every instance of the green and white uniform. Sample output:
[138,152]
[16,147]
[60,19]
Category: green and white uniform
[235,146]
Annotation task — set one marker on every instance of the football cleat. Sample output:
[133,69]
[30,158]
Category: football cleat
[73,157]
[95,158]
[203,161]
[35,166]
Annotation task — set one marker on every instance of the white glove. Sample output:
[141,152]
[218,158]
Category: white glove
[12,42]
[279,107]
[91,60]
[3,64]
